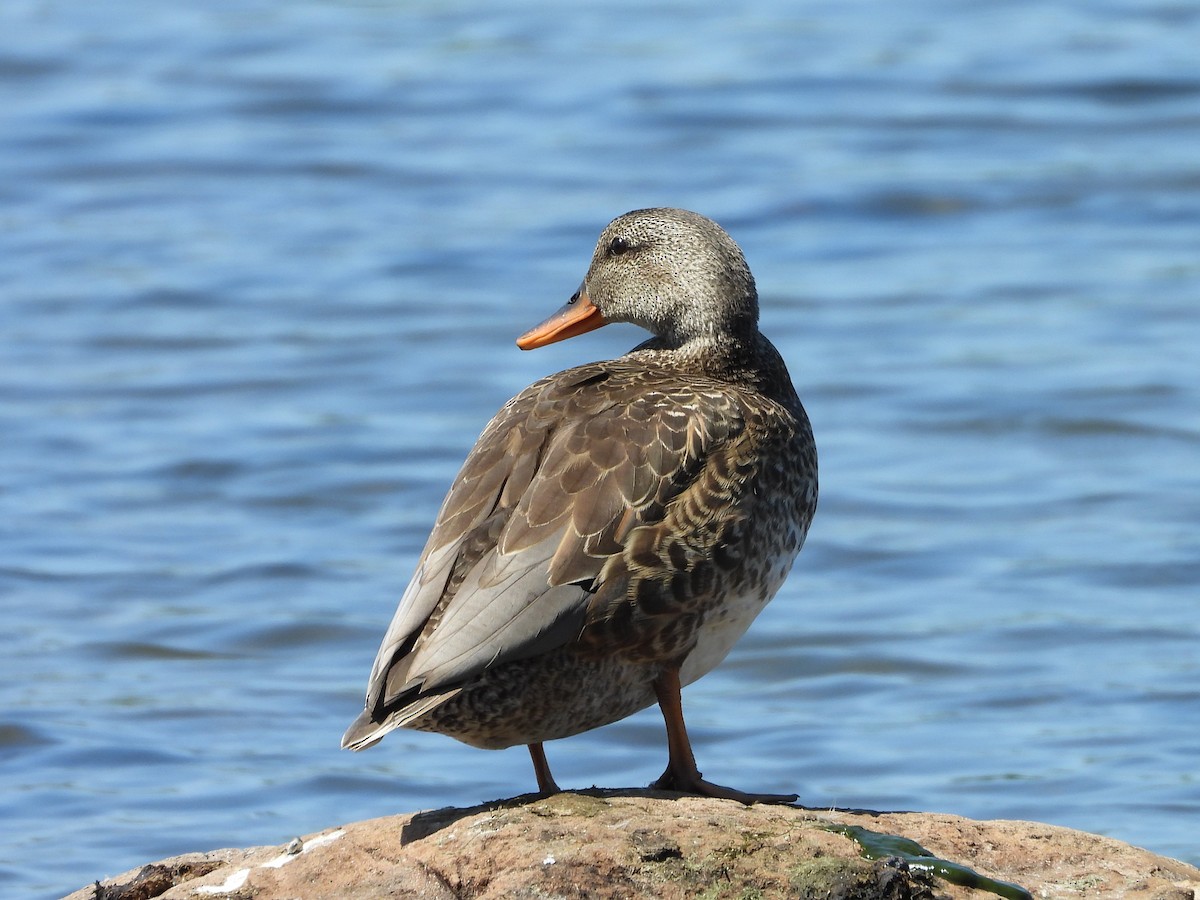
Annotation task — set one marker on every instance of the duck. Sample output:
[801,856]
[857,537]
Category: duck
[618,525]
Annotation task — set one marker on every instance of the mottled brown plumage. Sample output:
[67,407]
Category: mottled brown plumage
[618,525]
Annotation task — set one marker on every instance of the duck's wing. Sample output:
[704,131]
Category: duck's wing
[550,493]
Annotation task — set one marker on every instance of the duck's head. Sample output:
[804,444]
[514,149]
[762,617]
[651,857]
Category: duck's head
[673,272]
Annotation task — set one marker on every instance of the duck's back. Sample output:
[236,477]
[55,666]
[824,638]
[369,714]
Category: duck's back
[617,510]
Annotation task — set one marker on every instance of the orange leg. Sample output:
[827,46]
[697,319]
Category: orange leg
[541,768]
[682,774]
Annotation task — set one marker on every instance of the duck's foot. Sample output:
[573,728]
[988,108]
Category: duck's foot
[541,768]
[682,774]
[692,783]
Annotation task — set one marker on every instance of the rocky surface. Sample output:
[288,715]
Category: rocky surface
[635,844]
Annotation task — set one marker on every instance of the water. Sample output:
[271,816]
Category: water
[260,270]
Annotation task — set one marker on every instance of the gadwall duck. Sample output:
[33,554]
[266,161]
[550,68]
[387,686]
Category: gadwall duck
[618,525]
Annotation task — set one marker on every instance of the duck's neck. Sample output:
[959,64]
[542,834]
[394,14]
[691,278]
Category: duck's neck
[746,359]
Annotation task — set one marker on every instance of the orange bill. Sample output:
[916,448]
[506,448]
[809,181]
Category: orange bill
[578,316]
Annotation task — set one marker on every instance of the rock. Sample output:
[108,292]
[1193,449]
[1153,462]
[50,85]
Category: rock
[630,844]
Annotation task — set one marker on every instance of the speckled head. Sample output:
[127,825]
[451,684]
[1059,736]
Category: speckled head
[673,272]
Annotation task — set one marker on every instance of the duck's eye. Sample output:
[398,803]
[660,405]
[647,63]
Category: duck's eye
[619,246]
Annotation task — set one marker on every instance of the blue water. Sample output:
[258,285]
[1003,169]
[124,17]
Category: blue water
[261,265]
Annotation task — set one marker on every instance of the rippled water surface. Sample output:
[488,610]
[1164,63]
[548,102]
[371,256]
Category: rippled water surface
[260,270]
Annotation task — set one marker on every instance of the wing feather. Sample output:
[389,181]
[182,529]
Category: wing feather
[564,475]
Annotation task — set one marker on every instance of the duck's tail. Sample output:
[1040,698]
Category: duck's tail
[371,725]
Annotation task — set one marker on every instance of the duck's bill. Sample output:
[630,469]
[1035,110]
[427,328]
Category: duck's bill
[578,316]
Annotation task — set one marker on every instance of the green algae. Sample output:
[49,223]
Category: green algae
[876,845]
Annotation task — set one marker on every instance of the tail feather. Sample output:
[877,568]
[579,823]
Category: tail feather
[367,730]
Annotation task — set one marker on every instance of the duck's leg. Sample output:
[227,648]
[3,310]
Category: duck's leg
[682,774]
[541,768]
